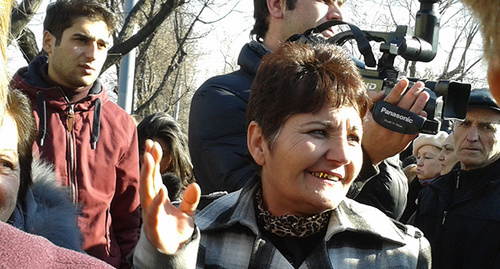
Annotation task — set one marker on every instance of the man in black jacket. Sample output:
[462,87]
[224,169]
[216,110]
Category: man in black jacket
[459,213]
[217,129]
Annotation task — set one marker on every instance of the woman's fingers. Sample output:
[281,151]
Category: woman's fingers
[157,153]
[153,221]
[165,226]
[191,199]
[150,177]
[146,188]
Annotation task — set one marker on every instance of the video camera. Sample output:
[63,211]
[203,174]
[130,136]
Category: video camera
[448,99]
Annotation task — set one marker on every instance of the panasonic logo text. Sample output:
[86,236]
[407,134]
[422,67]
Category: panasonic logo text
[396,115]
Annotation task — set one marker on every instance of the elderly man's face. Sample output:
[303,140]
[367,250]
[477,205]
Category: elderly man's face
[477,138]
[9,168]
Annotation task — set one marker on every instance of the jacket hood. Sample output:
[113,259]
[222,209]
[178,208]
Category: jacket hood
[29,79]
[47,210]
[250,56]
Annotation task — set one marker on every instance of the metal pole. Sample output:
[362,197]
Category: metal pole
[178,103]
[127,70]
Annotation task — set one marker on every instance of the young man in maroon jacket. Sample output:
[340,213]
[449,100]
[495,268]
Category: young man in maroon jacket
[91,141]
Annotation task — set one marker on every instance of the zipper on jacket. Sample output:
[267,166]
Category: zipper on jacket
[444,217]
[71,118]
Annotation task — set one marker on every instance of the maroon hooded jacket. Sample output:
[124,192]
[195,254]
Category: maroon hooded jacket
[93,144]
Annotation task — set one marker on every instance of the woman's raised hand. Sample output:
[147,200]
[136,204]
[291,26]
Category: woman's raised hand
[166,227]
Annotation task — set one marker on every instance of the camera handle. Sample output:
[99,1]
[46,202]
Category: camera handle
[402,121]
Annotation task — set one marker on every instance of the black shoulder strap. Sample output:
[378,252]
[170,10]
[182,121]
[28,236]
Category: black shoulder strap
[364,46]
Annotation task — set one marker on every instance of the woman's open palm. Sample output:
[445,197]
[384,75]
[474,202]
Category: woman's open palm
[166,227]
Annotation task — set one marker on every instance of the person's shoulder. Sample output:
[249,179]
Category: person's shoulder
[235,82]
[361,209]
[119,123]
[408,229]
[221,94]
[375,221]
[442,184]
[28,78]
[226,211]
[222,202]
[207,199]
[21,249]
[239,80]
[113,111]
[375,214]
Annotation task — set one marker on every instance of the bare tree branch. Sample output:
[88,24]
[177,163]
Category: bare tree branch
[132,19]
[119,50]
[174,63]
[27,45]
[22,15]
[223,16]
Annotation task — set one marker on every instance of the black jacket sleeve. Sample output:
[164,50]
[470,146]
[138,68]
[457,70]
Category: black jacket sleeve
[385,188]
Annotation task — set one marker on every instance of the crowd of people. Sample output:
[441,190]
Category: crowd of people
[283,165]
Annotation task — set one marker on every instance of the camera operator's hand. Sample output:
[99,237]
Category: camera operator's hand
[166,227]
[380,143]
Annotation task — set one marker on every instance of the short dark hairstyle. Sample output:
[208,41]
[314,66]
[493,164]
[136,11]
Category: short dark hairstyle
[19,108]
[62,14]
[163,126]
[302,78]
[261,16]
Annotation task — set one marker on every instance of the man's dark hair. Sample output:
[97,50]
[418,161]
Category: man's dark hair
[19,108]
[261,16]
[62,14]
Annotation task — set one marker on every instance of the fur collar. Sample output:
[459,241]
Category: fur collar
[47,210]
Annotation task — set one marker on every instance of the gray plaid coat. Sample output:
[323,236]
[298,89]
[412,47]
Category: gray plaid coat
[228,237]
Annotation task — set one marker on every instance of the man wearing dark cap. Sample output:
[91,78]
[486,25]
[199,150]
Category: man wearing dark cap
[460,212]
